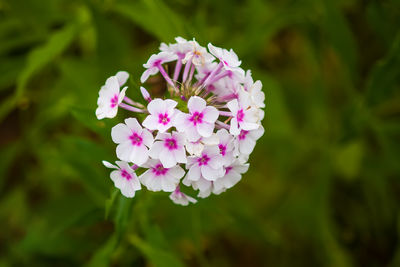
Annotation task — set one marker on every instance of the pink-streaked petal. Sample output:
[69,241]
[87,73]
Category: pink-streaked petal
[196,103]
[210,114]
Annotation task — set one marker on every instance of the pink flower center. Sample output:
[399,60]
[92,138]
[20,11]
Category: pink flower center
[159,170]
[136,140]
[222,149]
[114,101]
[196,118]
[203,160]
[126,174]
[228,169]
[243,134]
[170,143]
[163,119]
[240,115]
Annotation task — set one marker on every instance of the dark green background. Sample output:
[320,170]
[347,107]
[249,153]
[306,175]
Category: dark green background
[323,187]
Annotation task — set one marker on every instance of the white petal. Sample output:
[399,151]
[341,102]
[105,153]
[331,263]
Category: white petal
[167,159]
[233,106]
[157,106]
[112,85]
[247,145]
[194,173]
[120,133]
[109,165]
[124,151]
[156,149]
[148,138]
[196,103]
[121,95]
[205,129]
[180,155]
[134,125]
[139,155]
[210,114]
[147,73]
[122,76]
[209,173]
[234,129]
[151,122]
[177,172]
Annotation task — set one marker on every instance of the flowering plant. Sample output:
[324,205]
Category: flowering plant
[201,136]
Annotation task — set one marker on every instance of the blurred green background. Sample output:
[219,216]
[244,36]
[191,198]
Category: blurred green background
[323,187]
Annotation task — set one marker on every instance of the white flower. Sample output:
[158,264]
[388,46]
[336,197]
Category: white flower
[153,65]
[109,99]
[226,146]
[170,149]
[233,174]
[198,55]
[161,114]
[132,141]
[124,178]
[245,116]
[246,140]
[204,186]
[228,58]
[195,148]
[158,178]
[208,165]
[257,95]
[200,121]
[181,198]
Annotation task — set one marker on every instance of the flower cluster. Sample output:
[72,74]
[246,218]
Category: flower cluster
[201,136]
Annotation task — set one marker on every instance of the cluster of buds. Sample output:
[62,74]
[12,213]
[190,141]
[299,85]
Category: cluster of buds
[200,136]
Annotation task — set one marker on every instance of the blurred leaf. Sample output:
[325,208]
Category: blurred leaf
[158,257]
[384,79]
[348,159]
[155,17]
[39,58]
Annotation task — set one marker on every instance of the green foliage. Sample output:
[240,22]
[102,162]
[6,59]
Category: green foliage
[323,186]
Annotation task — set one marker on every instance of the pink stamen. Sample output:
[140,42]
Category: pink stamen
[163,118]
[228,169]
[240,115]
[126,174]
[136,140]
[243,134]
[114,101]
[222,149]
[170,143]
[159,170]
[196,118]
